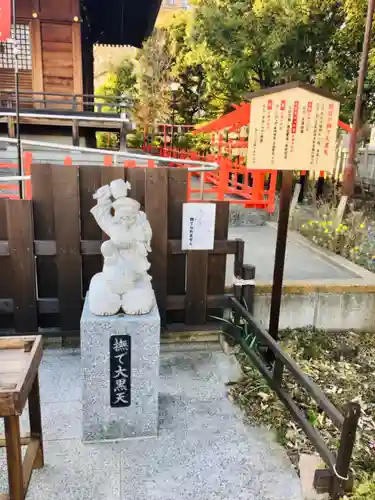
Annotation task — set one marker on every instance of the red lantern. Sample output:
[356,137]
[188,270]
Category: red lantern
[5,19]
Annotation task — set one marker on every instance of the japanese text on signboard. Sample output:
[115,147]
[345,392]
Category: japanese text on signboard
[293,129]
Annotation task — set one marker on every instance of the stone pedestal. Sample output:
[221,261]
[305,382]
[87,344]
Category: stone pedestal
[120,370]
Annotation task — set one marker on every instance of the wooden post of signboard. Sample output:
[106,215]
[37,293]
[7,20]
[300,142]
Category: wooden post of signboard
[292,128]
[282,235]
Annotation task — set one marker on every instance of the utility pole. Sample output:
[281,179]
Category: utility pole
[350,169]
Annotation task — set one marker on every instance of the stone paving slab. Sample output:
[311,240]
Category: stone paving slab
[204,450]
[75,471]
[206,465]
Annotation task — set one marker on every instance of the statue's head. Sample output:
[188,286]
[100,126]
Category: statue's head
[125,211]
[120,188]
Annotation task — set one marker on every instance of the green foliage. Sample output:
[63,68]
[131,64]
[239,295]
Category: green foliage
[201,143]
[118,84]
[135,140]
[222,49]
[244,45]
[152,73]
[365,489]
[107,140]
[353,239]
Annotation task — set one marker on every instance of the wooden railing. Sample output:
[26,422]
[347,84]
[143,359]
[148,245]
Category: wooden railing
[73,102]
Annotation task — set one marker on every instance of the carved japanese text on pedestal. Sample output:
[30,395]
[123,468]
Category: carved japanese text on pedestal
[124,284]
[120,370]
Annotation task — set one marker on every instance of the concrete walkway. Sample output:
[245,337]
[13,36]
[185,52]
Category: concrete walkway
[204,450]
[303,261]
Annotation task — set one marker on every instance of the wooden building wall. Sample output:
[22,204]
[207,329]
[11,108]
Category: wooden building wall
[55,33]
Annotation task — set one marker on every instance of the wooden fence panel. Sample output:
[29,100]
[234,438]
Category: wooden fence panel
[68,253]
[6,289]
[44,230]
[157,213]
[196,287]
[89,183]
[176,277]
[109,174]
[217,264]
[3,220]
[22,260]
[5,281]
[188,285]
[137,178]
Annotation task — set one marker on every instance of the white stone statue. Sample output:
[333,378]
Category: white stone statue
[124,284]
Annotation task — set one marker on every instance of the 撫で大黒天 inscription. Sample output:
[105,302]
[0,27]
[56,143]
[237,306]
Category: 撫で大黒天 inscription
[120,370]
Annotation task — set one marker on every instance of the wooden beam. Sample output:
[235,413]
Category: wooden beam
[25,343]
[37,61]
[196,287]
[92,247]
[25,440]
[68,258]
[75,133]
[173,303]
[123,132]
[11,127]
[36,430]
[177,302]
[157,214]
[22,260]
[77,59]
[29,374]
[14,457]
[28,462]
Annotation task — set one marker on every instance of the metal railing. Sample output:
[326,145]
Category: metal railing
[338,477]
[198,166]
[193,166]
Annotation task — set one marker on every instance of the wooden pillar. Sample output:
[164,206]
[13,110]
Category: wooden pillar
[77,61]
[14,458]
[11,127]
[37,61]
[36,422]
[75,132]
[123,133]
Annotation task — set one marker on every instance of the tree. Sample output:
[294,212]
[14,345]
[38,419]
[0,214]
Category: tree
[152,73]
[187,71]
[248,44]
[222,49]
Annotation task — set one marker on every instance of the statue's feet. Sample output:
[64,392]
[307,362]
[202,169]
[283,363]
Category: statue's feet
[140,300]
[102,301]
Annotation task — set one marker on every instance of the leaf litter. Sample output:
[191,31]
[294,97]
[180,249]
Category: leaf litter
[343,365]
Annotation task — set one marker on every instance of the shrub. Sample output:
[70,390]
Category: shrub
[353,239]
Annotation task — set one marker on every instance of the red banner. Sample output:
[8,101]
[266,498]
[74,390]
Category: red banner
[5,19]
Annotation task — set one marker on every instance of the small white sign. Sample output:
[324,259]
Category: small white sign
[198,226]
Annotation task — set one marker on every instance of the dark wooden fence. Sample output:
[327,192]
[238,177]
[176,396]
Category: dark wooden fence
[50,249]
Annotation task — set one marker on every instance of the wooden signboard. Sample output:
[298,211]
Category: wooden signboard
[293,127]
